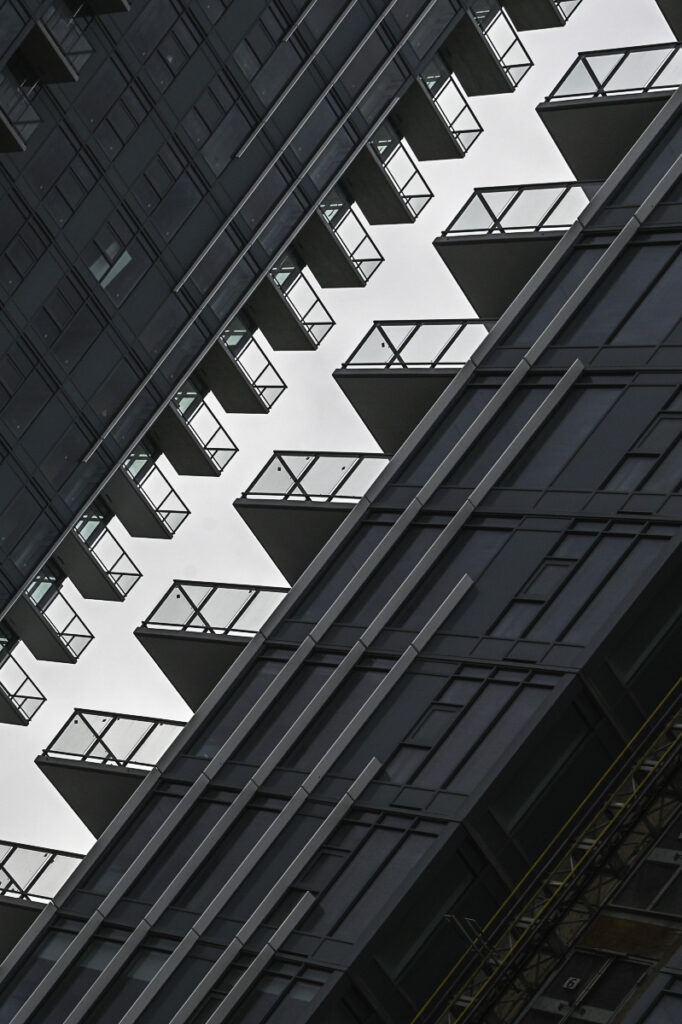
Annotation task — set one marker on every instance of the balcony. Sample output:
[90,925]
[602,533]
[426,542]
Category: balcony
[30,876]
[142,498]
[55,48]
[190,435]
[502,235]
[336,246]
[94,560]
[288,310]
[605,101]
[299,499]
[198,629]
[672,12]
[238,372]
[20,698]
[385,182]
[434,116]
[485,52]
[400,368]
[46,622]
[97,760]
[18,119]
[533,14]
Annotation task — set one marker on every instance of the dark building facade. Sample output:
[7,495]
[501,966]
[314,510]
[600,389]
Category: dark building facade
[441,782]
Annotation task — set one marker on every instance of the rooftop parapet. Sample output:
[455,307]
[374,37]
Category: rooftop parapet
[287,309]
[46,622]
[385,181]
[299,499]
[97,760]
[197,630]
[435,117]
[399,369]
[605,101]
[501,236]
[485,52]
[141,496]
[533,14]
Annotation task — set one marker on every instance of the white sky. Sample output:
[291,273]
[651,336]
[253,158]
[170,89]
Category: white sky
[214,545]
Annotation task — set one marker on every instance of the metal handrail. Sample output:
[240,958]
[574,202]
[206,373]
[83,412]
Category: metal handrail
[604,73]
[46,597]
[400,169]
[92,530]
[141,469]
[316,476]
[448,99]
[15,684]
[502,38]
[238,341]
[216,609]
[552,206]
[338,213]
[396,344]
[33,872]
[314,317]
[113,740]
[204,425]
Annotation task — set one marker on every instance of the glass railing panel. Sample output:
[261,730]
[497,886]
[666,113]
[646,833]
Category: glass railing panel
[44,593]
[261,374]
[302,299]
[361,476]
[502,38]
[638,69]
[401,169]
[16,685]
[16,104]
[550,207]
[258,610]
[100,738]
[297,476]
[68,36]
[351,234]
[141,468]
[205,426]
[214,608]
[93,531]
[34,873]
[325,475]
[449,100]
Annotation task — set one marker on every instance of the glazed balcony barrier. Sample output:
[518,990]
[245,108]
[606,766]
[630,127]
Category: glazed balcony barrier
[435,117]
[97,760]
[46,622]
[18,119]
[264,379]
[95,561]
[336,246]
[198,629]
[190,435]
[501,236]
[287,309]
[299,499]
[55,48]
[385,182]
[400,368]
[238,372]
[30,877]
[21,698]
[485,52]
[605,101]
[143,499]
[532,14]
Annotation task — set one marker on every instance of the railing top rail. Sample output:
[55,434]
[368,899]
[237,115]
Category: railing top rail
[621,71]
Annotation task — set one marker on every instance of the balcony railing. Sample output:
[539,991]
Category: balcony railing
[449,100]
[92,530]
[45,595]
[319,477]
[141,468]
[502,39]
[32,872]
[121,741]
[520,208]
[409,344]
[215,609]
[15,104]
[288,277]
[15,685]
[337,210]
[204,425]
[401,169]
[238,340]
[621,72]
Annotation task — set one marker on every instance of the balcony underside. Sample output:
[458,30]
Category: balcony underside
[219,373]
[192,662]
[39,636]
[392,402]
[320,250]
[417,118]
[532,14]
[185,453]
[292,533]
[45,58]
[10,140]
[16,917]
[491,270]
[672,12]
[84,571]
[374,192]
[94,792]
[469,56]
[272,314]
[593,135]
[129,505]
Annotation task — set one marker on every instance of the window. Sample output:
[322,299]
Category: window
[654,464]
[116,265]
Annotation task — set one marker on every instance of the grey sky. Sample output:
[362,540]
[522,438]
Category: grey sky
[115,673]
